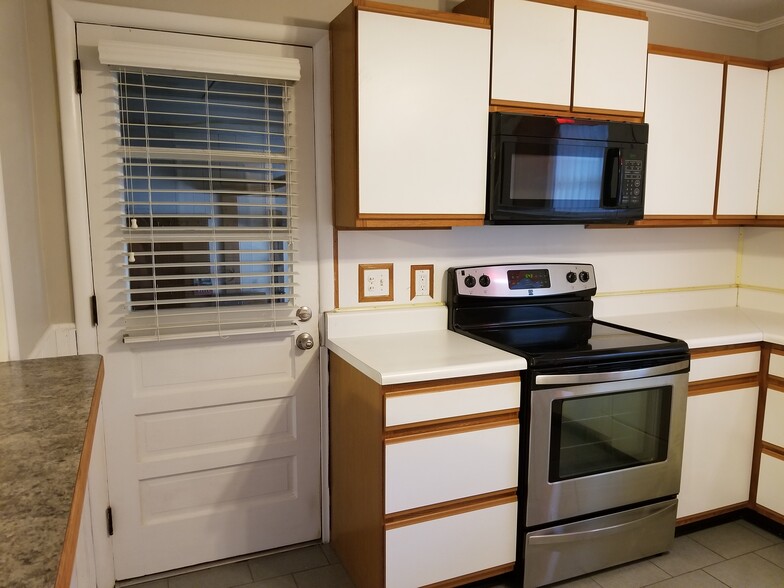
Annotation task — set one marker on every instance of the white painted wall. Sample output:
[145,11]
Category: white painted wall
[626,260]
[761,271]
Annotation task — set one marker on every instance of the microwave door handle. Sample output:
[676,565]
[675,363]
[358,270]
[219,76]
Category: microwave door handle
[611,180]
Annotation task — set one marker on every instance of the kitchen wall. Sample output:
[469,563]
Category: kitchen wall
[21,176]
[29,131]
[627,261]
[762,268]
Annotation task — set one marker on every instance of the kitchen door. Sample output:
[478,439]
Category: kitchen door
[201,194]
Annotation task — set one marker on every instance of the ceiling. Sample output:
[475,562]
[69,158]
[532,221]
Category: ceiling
[754,12]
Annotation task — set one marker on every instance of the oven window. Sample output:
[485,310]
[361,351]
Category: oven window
[608,432]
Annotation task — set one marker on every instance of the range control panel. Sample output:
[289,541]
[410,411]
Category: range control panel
[524,279]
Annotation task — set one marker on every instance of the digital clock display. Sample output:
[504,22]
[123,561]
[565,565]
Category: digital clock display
[528,279]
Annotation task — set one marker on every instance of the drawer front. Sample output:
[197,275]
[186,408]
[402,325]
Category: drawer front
[402,409]
[776,365]
[771,481]
[437,469]
[773,427]
[722,366]
[450,547]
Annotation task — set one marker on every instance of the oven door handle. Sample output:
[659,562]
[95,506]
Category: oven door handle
[598,377]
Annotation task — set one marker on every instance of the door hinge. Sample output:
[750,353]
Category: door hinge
[94,309]
[109,521]
[78,76]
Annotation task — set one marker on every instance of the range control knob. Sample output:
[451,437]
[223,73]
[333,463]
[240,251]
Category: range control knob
[571,277]
[484,281]
[470,281]
[584,277]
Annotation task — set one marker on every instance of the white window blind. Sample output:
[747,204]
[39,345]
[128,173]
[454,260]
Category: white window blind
[208,204]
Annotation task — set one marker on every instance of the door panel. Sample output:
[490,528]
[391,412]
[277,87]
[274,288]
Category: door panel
[213,443]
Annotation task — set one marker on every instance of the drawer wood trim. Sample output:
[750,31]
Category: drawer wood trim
[447,509]
[719,350]
[709,514]
[716,385]
[468,578]
[773,450]
[771,514]
[451,384]
[775,383]
[416,432]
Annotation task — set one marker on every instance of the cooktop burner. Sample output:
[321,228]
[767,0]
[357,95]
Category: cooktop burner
[545,313]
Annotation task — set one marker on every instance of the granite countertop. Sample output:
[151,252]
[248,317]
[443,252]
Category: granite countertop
[45,408]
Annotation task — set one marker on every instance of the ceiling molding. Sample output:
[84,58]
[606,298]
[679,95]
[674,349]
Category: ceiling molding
[650,6]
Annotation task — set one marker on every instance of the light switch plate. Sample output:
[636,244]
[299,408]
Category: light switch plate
[376,282]
[421,281]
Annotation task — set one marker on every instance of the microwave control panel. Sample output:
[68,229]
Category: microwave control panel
[631,184]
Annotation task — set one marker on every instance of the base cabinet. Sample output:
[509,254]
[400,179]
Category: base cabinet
[770,497]
[423,478]
[454,546]
[721,418]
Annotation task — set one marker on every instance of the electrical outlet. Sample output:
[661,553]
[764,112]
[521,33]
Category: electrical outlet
[421,281]
[376,282]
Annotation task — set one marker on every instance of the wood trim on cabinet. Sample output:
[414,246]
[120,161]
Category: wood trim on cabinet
[451,384]
[71,539]
[747,62]
[604,112]
[686,53]
[457,18]
[423,514]
[704,352]
[356,445]
[610,9]
[720,144]
[771,514]
[775,383]
[709,514]
[562,3]
[772,450]
[345,116]
[760,419]
[476,576]
[480,8]
[451,426]
[776,63]
[513,107]
[725,384]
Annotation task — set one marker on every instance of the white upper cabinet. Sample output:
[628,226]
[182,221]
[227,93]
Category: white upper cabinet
[532,53]
[771,187]
[683,109]
[744,118]
[423,89]
[535,45]
[610,56]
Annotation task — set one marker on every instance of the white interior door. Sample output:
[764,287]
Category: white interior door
[212,441]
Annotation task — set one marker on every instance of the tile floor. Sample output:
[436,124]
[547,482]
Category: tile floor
[736,554]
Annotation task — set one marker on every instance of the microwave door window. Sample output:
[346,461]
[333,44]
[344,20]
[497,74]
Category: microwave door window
[578,174]
[531,178]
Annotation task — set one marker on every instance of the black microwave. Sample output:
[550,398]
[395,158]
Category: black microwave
[561,170]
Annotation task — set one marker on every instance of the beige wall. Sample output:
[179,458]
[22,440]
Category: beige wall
[772,43]
[20,177]
[45,263]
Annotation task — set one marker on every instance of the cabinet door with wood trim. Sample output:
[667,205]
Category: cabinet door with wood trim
[409,114]
[532,54]
[610,59]
[771,189]
[770,498]
[683,109]
[721,420]
[741,146]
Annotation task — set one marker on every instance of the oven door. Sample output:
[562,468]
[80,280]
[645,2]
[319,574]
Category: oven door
[604,440]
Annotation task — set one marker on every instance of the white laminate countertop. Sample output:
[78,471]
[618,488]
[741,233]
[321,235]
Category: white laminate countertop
[411,345]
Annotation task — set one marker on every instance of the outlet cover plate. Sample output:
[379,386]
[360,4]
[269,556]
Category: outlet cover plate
[376,282]
[421,281]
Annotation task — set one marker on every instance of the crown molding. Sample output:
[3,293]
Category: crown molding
[650,6]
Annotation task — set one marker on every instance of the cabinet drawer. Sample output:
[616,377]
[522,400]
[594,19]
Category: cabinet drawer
[721,366]
[451,547]
[773,425]
[771,481]
[437,469]
[423,406]
[776,365]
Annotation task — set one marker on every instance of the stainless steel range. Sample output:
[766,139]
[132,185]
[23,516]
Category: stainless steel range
[603,412]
